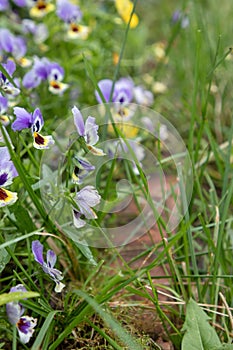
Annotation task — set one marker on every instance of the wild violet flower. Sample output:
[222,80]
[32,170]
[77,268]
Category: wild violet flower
[40,8]
[48,266]
[4,119]
[180,17]
[5,85]
[39,31]
[7,174]
[124,8]
[82,169]
[35,122]
[71,15]
[42,70]
[89,131]
[87,198]
[123,91]
[14,45]
[142,96]
[24,324]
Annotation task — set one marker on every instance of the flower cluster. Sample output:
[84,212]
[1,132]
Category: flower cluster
[24,324]
[7,174]
[35,122]
[45,70]
[48,267]
[124,92]
[88,197]
[12,45]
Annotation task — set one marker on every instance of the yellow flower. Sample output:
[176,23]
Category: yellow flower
[124,8]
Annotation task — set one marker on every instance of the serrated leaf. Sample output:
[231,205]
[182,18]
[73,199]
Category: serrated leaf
[199,335]
[9,297]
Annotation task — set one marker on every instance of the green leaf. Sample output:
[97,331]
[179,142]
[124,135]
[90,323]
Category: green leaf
[113,324]
[24,221]
[85,250]
[199,335]
[225,347]
[9,297]
[43,331]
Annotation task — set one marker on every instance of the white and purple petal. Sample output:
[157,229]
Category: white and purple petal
[91,131]
[78,121]
[25,326]
[37,120]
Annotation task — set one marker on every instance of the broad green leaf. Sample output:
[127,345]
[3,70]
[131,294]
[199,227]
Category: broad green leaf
[199,335]
[9,297]
[225,347]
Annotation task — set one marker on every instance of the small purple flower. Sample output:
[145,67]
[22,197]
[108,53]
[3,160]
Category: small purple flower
[48,267]
[39,31]
[89,131]
[142,96]
[68,11]
[7,174]
[5,85]
[3,108]
[43,69]
[81,170]
[181,17]
[24,324]
[87,198]
[122,93]
[35,122]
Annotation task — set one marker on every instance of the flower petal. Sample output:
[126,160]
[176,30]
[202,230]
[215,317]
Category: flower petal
[78,121]
[25,327]
[57,87]
[37,120]
[51,258]
[37,250]
[23,119]
[59,286]
[91,131]
[76,219]
[7,197]
[105,86]
[42,142]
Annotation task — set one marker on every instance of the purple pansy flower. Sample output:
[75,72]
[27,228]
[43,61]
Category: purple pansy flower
[89,131]
[48,267]
[24,324]
[71,15]
[87,198]
[81,170]
[142,96]
[68,11]
[39,31]
[3,108]
[12,44]
[5,85]
[35,122]
[7,174]
[43,69]
[122,93]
